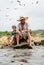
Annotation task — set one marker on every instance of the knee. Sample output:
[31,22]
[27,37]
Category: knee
[28,34]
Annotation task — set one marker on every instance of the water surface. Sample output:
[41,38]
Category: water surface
[35,56]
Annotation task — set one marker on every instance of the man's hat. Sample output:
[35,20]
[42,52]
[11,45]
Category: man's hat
[22,18]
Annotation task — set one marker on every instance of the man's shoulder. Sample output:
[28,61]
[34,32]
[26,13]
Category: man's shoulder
[19,24]
[26,23]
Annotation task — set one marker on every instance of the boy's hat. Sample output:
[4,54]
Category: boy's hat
[21,18]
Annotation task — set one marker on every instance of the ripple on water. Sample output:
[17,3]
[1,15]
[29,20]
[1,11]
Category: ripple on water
[34,56]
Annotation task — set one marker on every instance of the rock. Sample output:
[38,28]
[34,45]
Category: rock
[22,46]
[1,47]
[37,43]
[42,55]
[14,56]
[21,64]
[42,42]
[12,61]
[24,60]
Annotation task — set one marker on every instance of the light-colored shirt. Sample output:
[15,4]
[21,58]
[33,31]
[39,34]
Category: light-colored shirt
[25,27]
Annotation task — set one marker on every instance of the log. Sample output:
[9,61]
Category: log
[21,46]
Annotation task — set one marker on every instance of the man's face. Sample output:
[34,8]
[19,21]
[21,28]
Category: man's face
[22,21]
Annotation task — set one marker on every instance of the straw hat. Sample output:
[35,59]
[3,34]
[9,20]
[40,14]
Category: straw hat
[22,18]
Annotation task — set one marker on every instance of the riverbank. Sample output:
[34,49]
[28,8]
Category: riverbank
[36,40]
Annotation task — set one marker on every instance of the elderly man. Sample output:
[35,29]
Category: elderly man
[23,28]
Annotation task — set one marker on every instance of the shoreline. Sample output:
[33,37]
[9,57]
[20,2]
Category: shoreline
[36,40]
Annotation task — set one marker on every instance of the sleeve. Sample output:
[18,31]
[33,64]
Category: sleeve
[27,25]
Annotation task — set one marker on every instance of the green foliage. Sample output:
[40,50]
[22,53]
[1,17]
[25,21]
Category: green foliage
[33,33]
[5,33]
[37,33]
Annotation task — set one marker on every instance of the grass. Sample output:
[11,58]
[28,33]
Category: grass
[33,33]
[5,33]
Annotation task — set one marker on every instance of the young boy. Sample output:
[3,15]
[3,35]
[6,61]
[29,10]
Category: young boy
[14,35]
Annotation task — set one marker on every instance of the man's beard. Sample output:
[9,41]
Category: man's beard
[23,23]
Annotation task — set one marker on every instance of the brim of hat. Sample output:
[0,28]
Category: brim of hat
[22,19]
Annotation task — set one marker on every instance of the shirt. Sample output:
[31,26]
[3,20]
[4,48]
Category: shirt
[25,27]
[13,33]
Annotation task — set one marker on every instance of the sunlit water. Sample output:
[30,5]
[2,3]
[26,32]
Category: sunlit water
[34,56]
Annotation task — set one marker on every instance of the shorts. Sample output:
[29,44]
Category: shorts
[24,34]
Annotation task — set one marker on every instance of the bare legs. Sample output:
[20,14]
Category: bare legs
[27,35]
[17,38]
[29,38]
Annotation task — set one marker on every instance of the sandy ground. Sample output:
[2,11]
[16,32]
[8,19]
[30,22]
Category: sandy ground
[38,39]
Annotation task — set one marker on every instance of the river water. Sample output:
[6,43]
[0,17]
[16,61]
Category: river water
[35,56]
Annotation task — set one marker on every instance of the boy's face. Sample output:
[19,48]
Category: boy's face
[14,28]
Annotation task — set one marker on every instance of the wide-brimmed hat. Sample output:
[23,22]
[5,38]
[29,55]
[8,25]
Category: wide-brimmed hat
[21,18]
